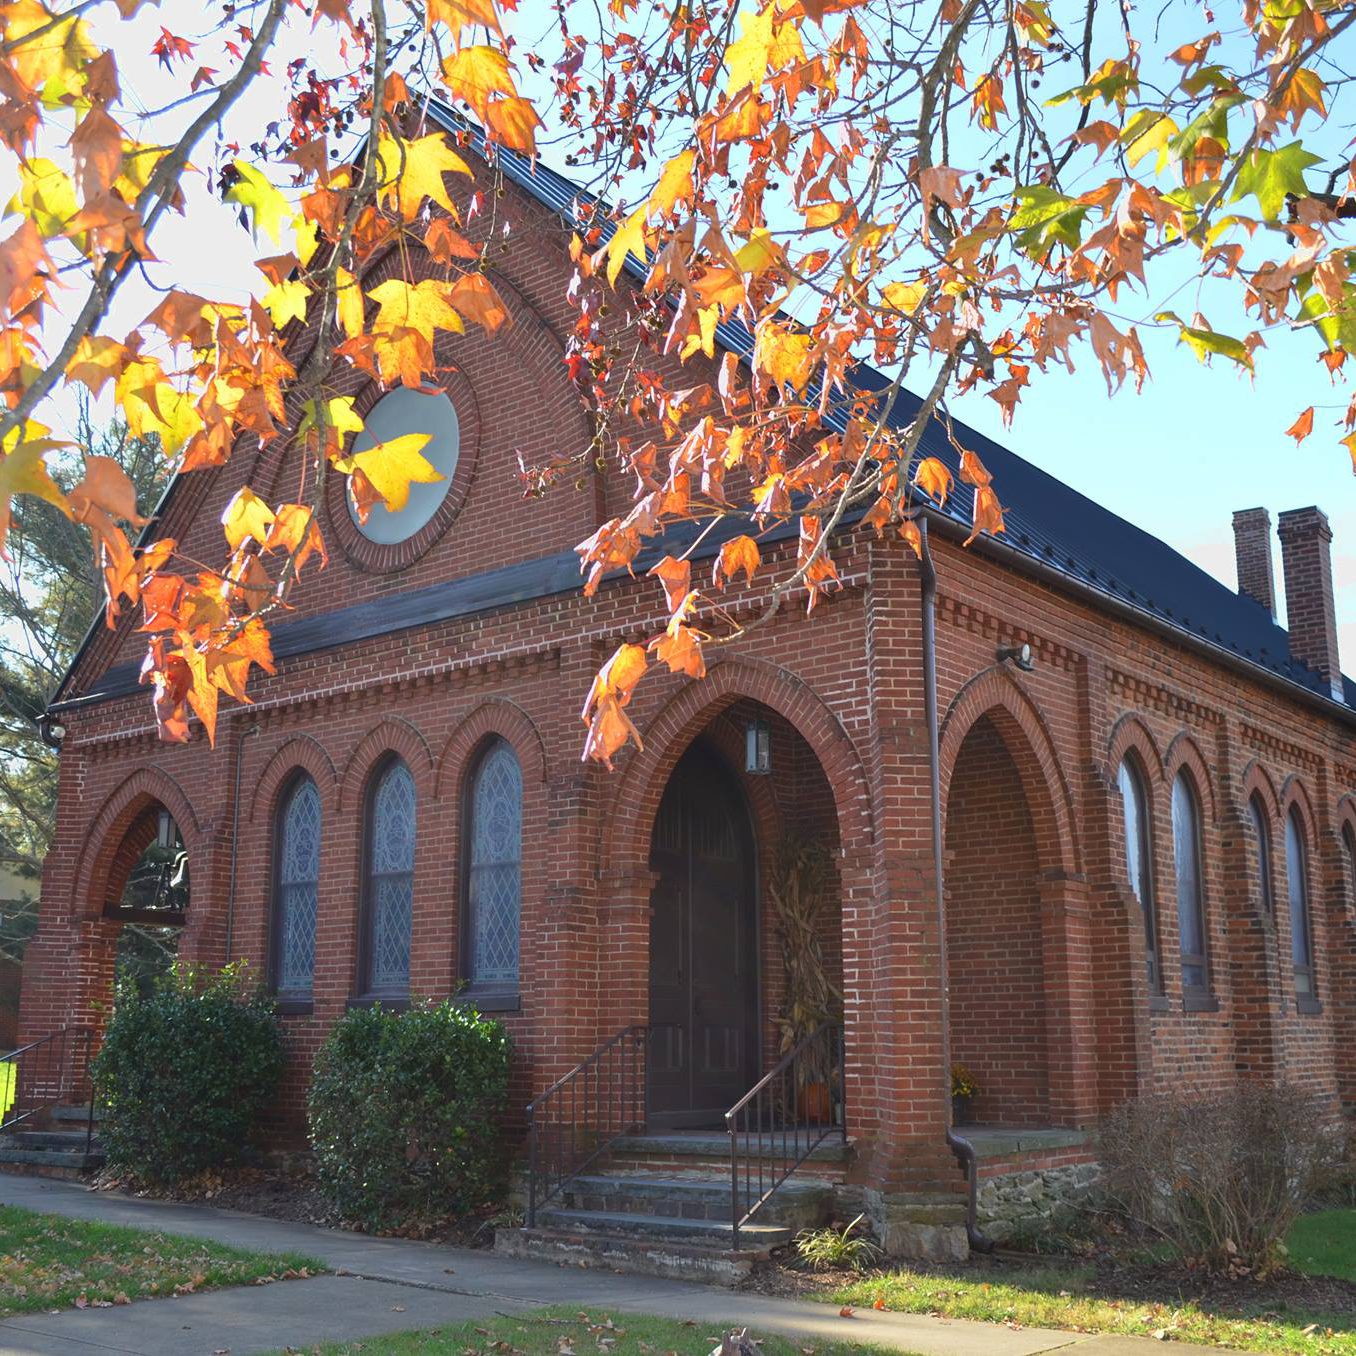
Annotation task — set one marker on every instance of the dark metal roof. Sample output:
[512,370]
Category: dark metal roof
[1047,521]
[1051,525]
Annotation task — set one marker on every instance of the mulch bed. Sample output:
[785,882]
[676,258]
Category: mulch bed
[1111,1279]
[293,1196]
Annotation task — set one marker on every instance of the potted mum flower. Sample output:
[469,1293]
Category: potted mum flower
[964,1090]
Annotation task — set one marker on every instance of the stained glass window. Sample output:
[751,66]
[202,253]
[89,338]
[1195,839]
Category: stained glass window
[494,868]
[390,881]
[298,883]
[1135,806]
[1186,851]
[1296,874]
[1258,815]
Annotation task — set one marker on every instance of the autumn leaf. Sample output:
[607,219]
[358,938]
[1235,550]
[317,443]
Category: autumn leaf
[23,470]
[246,518]
[988,513]
[609,725]
[412,171]
[473,296]
[295,531]
[286,301]
[739,553]
[675,185]
[267,207]
[459,14]
[765,43]
[933,478]
[1270,175]
[1302,427]
[513,122]
[475,74]
[783,356]
[393,466]
[676,577]
[424,307]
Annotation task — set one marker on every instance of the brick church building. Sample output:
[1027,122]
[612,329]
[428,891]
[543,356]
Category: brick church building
[1146,795]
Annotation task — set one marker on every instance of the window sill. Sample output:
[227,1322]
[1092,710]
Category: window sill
[1307,1006]
[1158,1002]
[391,1002]
[493,1000]
[294,1007]
[1200,1002]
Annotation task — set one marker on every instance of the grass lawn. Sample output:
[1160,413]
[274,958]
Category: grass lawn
[1324,1244]
[565,1331]
[1062,1295]
[51,1262]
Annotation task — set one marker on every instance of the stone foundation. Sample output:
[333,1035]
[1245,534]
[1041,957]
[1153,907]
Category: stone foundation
[920,1227]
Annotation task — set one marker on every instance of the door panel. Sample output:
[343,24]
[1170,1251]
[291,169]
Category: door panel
[703,962]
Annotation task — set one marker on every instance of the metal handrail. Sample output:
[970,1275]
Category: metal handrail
[620,1108]
[760,1118]
[45,1074]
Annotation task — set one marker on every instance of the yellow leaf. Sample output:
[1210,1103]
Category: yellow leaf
[473,74]
[674,186]
[348,301]
[266,205]
[459,14]
[96,362]
[422,306]
[764,44]
[904,297]
[783,356]
[46,195]
[628,238]
[513,122]
[340,417]
[392,467]
[286,301]
[24,471]
[413,170]
[246,516]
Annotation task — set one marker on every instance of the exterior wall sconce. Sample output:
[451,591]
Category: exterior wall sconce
[758,748]
[1019,654]
[164,835]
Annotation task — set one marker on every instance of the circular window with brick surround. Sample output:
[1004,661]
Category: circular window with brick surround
[397,414]
[390,539]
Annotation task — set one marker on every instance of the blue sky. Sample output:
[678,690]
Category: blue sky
[1177,459]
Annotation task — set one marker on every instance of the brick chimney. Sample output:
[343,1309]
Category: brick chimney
[1311,609]
[1252,553]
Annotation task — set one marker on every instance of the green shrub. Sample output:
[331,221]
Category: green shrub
[184,1071]
[834,1249]
[405,1110]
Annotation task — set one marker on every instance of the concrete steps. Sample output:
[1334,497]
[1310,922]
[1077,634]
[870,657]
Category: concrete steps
[53,1143]
[660,1205]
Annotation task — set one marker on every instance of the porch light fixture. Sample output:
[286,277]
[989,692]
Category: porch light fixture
[758,748]
[1019,654]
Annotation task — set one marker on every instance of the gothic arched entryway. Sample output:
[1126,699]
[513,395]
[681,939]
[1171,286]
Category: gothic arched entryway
[151,900]
[703,945]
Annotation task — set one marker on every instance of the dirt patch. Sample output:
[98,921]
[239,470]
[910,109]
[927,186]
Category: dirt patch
[294,1196]
[1103,1278]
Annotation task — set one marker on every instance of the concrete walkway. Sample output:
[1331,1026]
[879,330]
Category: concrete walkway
[384,1285]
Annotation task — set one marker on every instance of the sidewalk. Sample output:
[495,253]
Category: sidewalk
[385,1285]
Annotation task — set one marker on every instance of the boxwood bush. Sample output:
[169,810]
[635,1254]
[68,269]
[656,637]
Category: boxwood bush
[184,1071]
[405,1110]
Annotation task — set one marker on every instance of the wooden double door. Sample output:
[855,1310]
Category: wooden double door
[703,946]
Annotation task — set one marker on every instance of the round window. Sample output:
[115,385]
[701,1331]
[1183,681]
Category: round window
[401,411]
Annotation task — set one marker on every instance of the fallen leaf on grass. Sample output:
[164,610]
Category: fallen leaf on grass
[847,1311]
[878,1302]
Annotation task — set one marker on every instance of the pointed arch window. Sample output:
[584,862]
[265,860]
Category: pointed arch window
[1186,854]
[1297,889]
[493,883]
[1349,847]
[1139,861]
[1261,830]
[296,890]
[388,883]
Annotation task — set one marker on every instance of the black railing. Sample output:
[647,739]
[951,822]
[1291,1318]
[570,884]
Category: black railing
[47,1073]
[581,1115]
[783,1119]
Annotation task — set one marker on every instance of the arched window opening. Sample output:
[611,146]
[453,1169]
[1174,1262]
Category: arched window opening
[1349,846]
[1261,831]
[1186,853]
[296,890]
[1138,861]
[1297,882]
[388,886]
[153,902]
[492,893]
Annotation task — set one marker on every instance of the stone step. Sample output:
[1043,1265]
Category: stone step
[637,1256]
[664,1228]
[68,1160]
[797,1204]
[77,1112]
[49,1139]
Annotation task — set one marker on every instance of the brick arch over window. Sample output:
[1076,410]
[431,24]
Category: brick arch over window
[393,735]
[496,717]
[997,696]
[1184,752]
[301,753]
[635,801]
[1257,782]
[1295,795]
[1130,732]
[104,856]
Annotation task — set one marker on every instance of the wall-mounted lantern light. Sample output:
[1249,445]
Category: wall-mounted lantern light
[758,747]
[1019,654]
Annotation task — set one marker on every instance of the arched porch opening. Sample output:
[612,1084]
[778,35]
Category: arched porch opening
[995,934]
[147,898]
[745,945]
